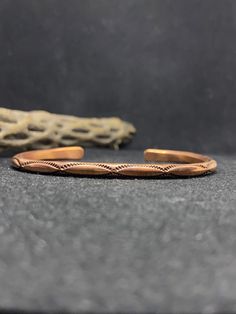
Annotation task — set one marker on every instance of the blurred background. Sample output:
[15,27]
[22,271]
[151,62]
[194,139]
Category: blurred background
[166,66]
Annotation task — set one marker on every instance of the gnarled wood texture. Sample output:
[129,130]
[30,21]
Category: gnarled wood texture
[41,129]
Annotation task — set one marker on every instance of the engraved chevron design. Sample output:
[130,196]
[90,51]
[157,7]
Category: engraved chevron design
[194,164]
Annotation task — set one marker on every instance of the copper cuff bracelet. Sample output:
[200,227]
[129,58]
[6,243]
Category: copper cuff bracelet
[62,160]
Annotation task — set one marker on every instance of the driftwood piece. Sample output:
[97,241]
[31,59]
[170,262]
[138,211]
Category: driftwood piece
[41,129]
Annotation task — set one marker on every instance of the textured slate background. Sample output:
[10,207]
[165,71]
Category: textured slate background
[72,245]
[167,66]
[80,244]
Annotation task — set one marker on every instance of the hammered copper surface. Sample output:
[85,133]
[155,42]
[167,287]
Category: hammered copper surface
[179,163]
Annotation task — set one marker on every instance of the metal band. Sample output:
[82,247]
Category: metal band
[61,160]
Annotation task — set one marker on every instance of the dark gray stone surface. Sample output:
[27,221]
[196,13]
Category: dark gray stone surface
[109,245]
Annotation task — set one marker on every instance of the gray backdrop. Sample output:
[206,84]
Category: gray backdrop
[75,245]
[167,66]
